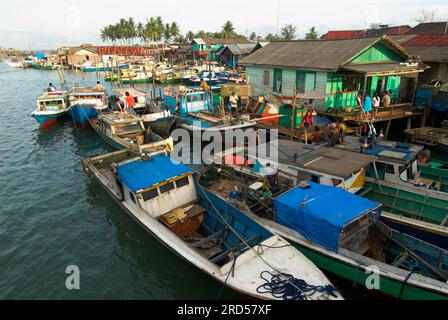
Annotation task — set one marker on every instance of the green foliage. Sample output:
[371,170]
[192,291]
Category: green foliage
[155,30]
[312,34]
[288,32]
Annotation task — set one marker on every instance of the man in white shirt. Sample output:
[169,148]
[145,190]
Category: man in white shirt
[51,88]
[233,99]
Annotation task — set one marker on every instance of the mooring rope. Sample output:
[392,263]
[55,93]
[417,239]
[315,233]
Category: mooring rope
[287,287]
[279,273]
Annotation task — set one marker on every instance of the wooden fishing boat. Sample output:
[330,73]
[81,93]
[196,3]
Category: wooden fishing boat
[397,163]
[14,64]
[417,212]
[50,107]
[100,67]
[429,136]
[162,196]
[86,103]
[132,75]
[196,113]
[338,231]
[160,121]
[45,66]
[299,161]
[127,131]
[436,171]
[140,98]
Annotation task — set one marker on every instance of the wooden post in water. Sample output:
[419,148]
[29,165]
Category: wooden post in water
[293,116]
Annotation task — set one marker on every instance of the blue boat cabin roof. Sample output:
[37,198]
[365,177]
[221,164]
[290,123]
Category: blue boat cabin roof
[143,174]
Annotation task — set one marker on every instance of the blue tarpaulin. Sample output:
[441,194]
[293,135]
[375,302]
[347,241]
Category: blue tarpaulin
[40,55]
[140,175]
[320,212]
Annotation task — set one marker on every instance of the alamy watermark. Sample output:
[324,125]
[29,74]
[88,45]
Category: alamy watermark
[73,281]
[238,147]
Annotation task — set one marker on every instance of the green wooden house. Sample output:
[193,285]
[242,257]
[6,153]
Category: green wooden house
[207,48]
[338,68]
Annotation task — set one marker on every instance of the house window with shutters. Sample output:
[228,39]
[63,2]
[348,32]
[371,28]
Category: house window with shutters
[266,78]
[305,81]
[277,81]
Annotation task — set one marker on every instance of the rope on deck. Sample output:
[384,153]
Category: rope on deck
[287,287]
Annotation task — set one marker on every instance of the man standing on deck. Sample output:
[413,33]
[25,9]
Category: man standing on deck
[233,99]
[386,99]
[204,86]
[51,87]
[98,86]
[130,102]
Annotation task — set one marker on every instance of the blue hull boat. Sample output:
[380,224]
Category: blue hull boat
[82,113]
[47,120]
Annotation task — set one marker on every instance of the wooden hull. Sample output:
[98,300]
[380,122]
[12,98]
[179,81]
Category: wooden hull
[420,214]
[245,277]
[391,283]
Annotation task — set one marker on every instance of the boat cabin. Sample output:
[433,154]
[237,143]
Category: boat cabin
[396,162]
[328,216]
[139,96]
[185,101]
[300,162]
[88,95]
[158,186]
[125,126]
[52,101]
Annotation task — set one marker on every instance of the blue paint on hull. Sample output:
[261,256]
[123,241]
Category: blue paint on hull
[81,113]
[47,119]
[430,237]
[102,69]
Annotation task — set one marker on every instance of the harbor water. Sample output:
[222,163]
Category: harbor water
[53,216]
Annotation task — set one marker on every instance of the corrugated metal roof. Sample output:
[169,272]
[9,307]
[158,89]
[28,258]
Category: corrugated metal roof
[341,34]
[430,28]
[312,54]
[426,41]
[212,41]
[389,31]
[239,49]
[430,54]
[374,68]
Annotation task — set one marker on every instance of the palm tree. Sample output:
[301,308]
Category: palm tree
[201,34]
[189,35]
[174,30]
[288,31]
[154,29]
[228,30]
[312,34]
[253,36]
[139,29]
[167,33]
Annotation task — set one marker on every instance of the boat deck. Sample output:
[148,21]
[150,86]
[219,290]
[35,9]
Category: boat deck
[395,111]
[428,135]
[132,91]
[319,158]
[119,118]
[391,150]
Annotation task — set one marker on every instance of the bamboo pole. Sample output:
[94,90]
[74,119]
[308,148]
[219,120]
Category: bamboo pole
[293,116]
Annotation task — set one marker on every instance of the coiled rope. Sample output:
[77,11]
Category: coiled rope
[287,287]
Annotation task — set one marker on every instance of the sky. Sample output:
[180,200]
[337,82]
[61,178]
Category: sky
[48,24]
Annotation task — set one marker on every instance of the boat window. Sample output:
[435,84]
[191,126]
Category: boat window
[182,182]
[188,98]
[167,187]
[315,178]
[132,196]
[390,168]
[150,194]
